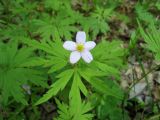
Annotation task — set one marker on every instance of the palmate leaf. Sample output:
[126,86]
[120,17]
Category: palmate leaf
[143,13]
[103,14]
[11,87]
[82,113]
[106,68]
[23,7]
[57,5]
[57,55]
[109,107]
[13,32]
[108,57]
[99,84]
[100,26]
[19,30]
[107,62]
[63,79]
[95,25]
[53,4]
[55,27]
[13,75]
[66,113]
[77,110]
[109,52]
[46,28]
[97,21]
[60,84]
[152,38]
[63,111]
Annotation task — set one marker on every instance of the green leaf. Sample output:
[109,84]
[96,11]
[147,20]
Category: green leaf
[74,95]
[60,84]
[66,112]
[63,111]
[143,13]
[151,37]
[57,58]
[76,109]
[106,68]
[100,85]
[57,65]
[55,27]
[13,75]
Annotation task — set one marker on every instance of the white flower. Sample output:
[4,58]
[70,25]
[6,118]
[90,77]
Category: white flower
[80,48]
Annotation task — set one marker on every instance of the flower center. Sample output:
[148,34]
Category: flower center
[80,47]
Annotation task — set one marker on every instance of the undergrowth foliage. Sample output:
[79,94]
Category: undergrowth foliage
[14,73]
[35,68]
[151,37]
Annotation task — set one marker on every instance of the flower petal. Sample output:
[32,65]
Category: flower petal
[74,57]
[89,45]
[81,37]
[87,56]
[69,45]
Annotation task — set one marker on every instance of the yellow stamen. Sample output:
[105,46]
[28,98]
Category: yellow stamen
[80,47]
